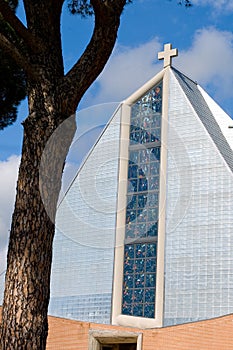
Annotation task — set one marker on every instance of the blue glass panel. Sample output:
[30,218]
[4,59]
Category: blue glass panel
[128,296]
[138,309]
[142,184]
[138,295]
[157,133]
[141,230]
[139,265]
[142,199]
[142,205]
[150,295]
[155,154]
[140,250]
[141,173]
[138,287]
[132,202]
[134,111]
[150,280]
[128,281]
[152,230]
[132,185]
[154,168]
[144,137]
[139,280]
[129,251]
[145,168]
[153,183]
[155,121]
[130,230]
[154,137]
[135,135]
[157,99]
[149,310]
[130,215]
[152,199]
[151,250]
[146,123]
[144,156]
[151,265]
[142,217]
[132,173]
[128,266]
[127,309]
[153,214]
[134,156]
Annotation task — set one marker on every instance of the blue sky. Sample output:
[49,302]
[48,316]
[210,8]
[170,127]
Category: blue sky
[145,26]
[203,35]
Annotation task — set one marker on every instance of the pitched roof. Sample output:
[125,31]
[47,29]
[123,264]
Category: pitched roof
[197,99]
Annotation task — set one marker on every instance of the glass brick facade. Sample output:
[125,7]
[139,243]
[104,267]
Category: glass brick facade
[198,219]
[82,271]
[139,281]
[199,236]
[198,206]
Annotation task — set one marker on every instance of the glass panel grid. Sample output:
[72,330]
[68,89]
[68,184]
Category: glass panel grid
[83,254]
[139,280]
[141,231]
[199,221]
[146,117]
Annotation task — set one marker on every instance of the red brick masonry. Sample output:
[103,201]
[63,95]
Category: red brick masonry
[214,334]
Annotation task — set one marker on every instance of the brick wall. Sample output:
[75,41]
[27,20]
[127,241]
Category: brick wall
[214,334]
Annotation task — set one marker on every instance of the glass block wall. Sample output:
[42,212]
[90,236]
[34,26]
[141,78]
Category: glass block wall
[82,271]
[199,220]
[139,280]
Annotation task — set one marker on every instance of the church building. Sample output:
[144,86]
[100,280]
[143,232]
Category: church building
[145,231]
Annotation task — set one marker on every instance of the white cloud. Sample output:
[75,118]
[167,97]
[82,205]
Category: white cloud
[225,5]
[209,61]
[127,69]
[8,177]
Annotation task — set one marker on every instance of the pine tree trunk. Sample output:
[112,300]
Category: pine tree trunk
[27,284]
[26,295]
[52,98]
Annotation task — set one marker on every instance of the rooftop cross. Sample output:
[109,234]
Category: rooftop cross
[167,55]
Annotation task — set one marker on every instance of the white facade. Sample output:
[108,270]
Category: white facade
[81,282]
[194,265]
[199,223]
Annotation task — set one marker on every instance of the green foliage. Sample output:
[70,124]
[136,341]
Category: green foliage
[80,7]
[186,3]
[83,7]
[12,80]
[12,90]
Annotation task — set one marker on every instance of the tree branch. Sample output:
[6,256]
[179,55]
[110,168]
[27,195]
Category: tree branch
[95,56]
[58,4]
[8,15]
[13,52]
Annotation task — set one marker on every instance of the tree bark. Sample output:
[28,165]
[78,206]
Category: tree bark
[24,324]
[53,98]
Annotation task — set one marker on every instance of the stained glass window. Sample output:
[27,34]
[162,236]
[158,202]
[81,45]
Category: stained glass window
[140,253]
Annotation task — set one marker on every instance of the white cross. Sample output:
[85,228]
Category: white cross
[167,55]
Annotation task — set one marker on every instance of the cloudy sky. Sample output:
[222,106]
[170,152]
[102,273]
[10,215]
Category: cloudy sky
[203,35]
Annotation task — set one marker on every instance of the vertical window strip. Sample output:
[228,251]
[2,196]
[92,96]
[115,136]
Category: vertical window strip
[141,229]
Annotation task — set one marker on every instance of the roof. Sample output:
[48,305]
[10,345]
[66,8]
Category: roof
[197,98]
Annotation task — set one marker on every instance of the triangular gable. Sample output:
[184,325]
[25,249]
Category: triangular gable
[206,116]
